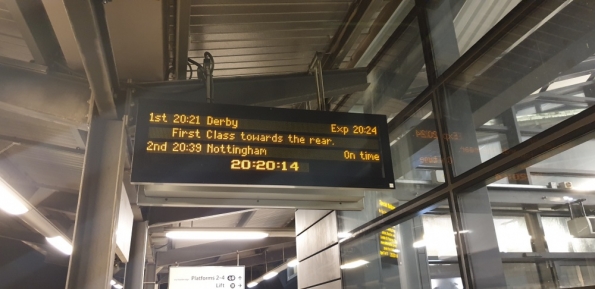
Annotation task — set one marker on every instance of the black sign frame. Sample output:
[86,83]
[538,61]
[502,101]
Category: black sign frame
[151,168]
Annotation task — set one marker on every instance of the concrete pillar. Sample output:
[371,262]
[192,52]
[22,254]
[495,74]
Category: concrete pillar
[135,269]
[318,249]
[94,243]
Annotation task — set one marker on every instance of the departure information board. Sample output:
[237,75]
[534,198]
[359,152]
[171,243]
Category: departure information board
[180,142]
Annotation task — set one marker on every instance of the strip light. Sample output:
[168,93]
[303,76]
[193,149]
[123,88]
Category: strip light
[293,263]
[9,200]
[216,235]
[354,264]
[61,244]
[419,244]
[270,275]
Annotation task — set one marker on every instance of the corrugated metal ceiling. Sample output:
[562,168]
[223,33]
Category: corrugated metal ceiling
[273,218]
[12,44]
[254,37]
[20,126]
[48,167]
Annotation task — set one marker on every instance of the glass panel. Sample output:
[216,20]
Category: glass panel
[417,165]
[399,75]
[543,233]
[416,253]
[455,25]
[534,77]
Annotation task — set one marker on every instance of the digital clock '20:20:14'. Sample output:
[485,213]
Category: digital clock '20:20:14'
[269,165]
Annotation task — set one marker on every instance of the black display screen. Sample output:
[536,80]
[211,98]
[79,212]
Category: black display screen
[180,142]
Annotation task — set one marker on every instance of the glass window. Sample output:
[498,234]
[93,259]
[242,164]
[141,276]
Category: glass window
[415,253]
[417,165]
[455,25]
[536,76]
[398,75]
[543,233]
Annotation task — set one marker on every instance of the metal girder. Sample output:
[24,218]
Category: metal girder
[21,65]
[183,8]
[358,18]
[41,144]
[40,195]
[94,242]
[384,25]
[257,258]
[20,235]
[58,17]
[44,98]
[210,250]
[87,18]
[159,216]
[536,196]
[36,29]
[276,90]
[245,218]
[563,59]
[135,269]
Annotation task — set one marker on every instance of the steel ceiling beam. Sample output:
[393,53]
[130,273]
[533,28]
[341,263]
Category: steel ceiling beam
[34,25]
[245,218]
[358,18]
[87,18]
[253,259]
[160,216]
[44,97]
[21,235]
[183,8]
[58,17]
[566,58]
[275,90]
[210,250]
[42,145]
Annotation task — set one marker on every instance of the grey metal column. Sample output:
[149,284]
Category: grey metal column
[150,281]
[480,244]
[94,243]
[414,272]
[135,269]
[545,270]
[475,209]
[514,137]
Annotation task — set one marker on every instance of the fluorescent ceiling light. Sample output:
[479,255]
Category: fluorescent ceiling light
[61,244]
[269,275]
[9,202]
[216,235]
[293,263]
[343,235]
[354,264]
[568,82]
[252,284]
[113,282]
[118,286]
[419,244]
